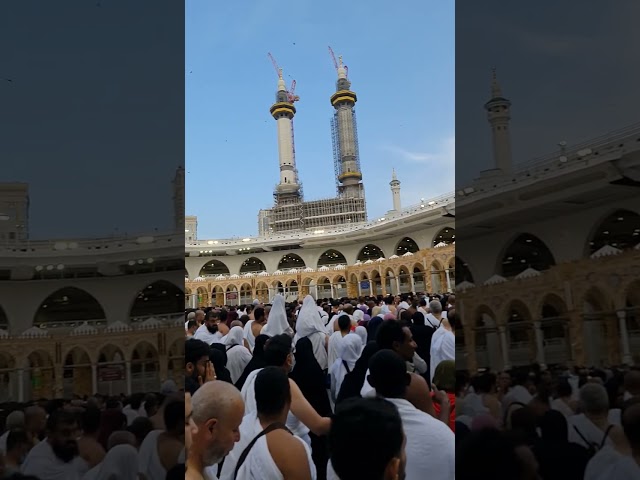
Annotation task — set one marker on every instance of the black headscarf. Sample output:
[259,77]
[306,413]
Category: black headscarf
[373,325]
[353,381]
[218,357]
[310,378]
[256,362]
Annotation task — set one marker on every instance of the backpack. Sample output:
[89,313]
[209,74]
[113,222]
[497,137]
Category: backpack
[593,447]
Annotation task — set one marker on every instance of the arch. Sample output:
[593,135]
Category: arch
[525,251]
[370,252]
[145,367]
[262,292]
[632,294]
[484,322]
[518,322]
[364,276]
[203,296]
[8,378]
[77,376]
[252,265]
[77,355]
[405,279]
[554,323]
[331,257]
[463,273]
[290,260]
[419,277]
[596,301]
[68,306]
[41,373]
[214,268]
[446,236]
[175,366]
[158,298]
[620,229]
[406,245]
[110,353]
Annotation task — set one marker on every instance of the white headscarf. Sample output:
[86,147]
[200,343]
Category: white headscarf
[363,334]
[350,349]
[358,315]
[277,322]
[234,337]
[309,320]
[120,463]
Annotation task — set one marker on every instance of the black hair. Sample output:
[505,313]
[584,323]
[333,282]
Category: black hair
[60,417]
[191,324]
[272,391]
[344,322]
[405,317]
[388,374]
[488,453]
[631,421]
[423,302]
[388,300]
[277,349]
[16,438]
[90,419]
[140,427]
[452,318]
[223,315]
[564,388]
[373,422]
[389,331]
[418,318]
[258,313]
[173,415]
[194,350]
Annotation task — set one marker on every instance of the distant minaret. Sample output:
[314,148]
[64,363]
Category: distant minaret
[283,112]
[178,199]
[395,191]
[345,137]
[498,114]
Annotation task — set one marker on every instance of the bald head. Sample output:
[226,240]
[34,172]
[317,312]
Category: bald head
[214,400]
[15,420]
[237,323]
[632,382]
[121,437]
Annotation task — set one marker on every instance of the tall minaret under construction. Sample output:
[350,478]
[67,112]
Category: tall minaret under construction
[345,137]
[283,111]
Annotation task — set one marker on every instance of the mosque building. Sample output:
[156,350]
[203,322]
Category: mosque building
[566,289]
[88,315]
[328,247]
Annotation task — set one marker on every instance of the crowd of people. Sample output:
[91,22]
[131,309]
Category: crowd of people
[330,389]
[550,424]
[137,437]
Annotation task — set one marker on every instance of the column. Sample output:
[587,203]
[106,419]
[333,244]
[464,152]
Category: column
[398,285]
[194,300]
[333,290]
[128,376]
[20,385]
[539,343]
[412,283]
[94,378]
[576,338]
[446,272]
[624,337]
[316,289]
[502,332]
[359,289]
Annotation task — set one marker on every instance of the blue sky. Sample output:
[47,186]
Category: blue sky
[401,64]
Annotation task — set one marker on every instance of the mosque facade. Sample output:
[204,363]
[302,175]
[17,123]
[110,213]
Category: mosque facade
[88,315]
[565,290]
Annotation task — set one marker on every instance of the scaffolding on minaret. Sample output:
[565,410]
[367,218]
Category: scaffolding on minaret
[337,153]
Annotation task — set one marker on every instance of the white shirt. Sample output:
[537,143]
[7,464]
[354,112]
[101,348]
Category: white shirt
[41,462]
[203,333]
[430,444]
[587,429]
[443,347]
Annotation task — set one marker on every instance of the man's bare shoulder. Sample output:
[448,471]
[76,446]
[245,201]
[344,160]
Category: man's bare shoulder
[289,454]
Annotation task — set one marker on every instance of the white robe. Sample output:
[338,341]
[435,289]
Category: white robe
[149,462]
[430,444]
[238,357]
[277,323]
[203,333]
[249,396]
[587,429]
[248,335]
[334,347]
[350,349]
[443,347]
[310,325]
[121,462]
[41,462]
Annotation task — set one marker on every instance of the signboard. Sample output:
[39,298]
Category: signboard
[232,296]
[111,373]
[364,285]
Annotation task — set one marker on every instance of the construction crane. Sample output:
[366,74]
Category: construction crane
[336,64]
[292,89]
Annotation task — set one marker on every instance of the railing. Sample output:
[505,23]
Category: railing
[446,200]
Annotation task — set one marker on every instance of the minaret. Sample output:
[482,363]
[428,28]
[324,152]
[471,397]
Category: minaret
[345,137]
[178,199]
[283,112]
[395,192]
[498,114]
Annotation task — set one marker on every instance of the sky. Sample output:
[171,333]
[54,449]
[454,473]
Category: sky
[401,65]
[569,68]
[93,117]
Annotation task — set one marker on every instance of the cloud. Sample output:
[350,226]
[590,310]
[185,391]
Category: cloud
[443,157]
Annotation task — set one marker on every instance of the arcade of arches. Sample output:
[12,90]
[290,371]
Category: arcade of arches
[565,314]
[408,270]
[134,354]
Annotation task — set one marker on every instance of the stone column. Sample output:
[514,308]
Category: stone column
[624,337]
[448,280]
[539,343]
[58,381]
[20,385]
[412,282]
[94,378]
[398,285]
[502,332]
[359,289]
[128,376]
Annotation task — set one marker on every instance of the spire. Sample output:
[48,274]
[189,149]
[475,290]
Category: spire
[342,71]
[394,177]
[281,85]
[496,91]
